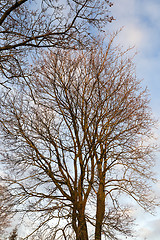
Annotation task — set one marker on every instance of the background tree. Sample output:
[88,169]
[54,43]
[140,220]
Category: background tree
[26,25]
[5,208]
[80,143]
[13,235]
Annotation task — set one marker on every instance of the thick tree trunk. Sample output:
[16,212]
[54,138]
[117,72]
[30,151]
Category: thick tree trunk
[74,222]
[83,234]
[79,224]
[100,211]
[82,226]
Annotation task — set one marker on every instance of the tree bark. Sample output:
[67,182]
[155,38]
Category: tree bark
[83,234]
[100,211]
[82,226]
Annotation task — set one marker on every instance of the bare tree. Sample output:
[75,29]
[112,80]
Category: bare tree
[5,208]
[26,25]
[13,235]
[80,143]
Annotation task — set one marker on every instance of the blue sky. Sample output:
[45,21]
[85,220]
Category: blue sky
[141,28]
[141,22]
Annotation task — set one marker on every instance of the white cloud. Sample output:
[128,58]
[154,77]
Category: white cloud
[133,35]
[141,21]
[151,231]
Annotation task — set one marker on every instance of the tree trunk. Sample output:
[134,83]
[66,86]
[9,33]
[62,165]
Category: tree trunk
[82,227]
[100,211]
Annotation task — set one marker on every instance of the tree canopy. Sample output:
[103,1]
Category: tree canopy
[78,142]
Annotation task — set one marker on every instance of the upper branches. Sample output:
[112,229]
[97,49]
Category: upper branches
[10,9]
[28,25]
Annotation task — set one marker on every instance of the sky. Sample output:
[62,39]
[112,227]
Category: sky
[140,20]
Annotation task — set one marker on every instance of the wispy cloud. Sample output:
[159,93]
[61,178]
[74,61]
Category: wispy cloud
[141,22]
[151,231]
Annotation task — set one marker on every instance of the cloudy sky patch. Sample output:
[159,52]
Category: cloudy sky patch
[141,28]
